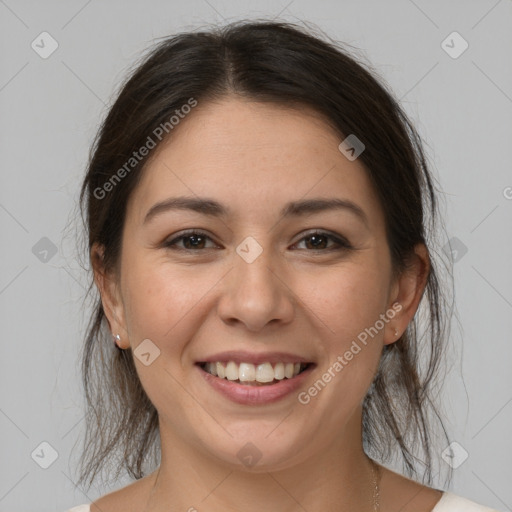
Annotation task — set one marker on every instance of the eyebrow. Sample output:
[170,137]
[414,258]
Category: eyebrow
[213,208]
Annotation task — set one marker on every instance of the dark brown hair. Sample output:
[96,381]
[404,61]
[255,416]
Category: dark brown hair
[283,64]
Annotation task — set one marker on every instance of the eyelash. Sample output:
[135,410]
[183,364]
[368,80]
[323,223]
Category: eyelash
[341,242]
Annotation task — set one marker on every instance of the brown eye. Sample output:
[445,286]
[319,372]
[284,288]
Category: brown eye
[315,241]
[192,241]
[319,240]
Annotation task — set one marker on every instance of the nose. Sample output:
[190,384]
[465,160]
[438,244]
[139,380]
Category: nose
[256,294]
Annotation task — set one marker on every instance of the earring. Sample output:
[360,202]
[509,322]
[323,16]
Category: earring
[396,331]
[118,338]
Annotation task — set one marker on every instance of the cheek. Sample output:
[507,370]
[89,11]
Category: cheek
[163,299]
[347,299]
[349,302]
[165,304]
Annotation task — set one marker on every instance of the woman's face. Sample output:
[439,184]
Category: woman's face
[255,282]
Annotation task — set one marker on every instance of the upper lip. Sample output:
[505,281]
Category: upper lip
[240,356]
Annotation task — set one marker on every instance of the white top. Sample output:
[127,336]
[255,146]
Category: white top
[449,502]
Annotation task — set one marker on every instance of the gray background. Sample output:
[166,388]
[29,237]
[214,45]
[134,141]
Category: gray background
[51,109]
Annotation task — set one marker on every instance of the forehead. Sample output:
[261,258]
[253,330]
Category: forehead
[254,157]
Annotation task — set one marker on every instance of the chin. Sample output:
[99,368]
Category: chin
[257,452]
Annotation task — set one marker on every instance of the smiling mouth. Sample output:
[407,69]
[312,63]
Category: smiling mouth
[254,375]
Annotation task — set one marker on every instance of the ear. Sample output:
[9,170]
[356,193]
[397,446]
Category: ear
[407,291]
[108,286]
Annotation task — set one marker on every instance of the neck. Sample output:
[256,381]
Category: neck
[339,477]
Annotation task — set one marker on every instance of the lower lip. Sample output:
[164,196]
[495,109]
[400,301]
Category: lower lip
[256,395]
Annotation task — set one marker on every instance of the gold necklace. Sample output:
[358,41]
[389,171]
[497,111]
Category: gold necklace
[376,490]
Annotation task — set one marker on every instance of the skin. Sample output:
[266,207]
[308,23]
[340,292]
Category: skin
[254,158]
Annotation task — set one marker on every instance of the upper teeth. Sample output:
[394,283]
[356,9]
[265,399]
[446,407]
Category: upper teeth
[247,372]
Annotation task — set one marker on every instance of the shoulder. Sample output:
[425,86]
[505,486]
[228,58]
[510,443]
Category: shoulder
[451,502]
[401,493]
